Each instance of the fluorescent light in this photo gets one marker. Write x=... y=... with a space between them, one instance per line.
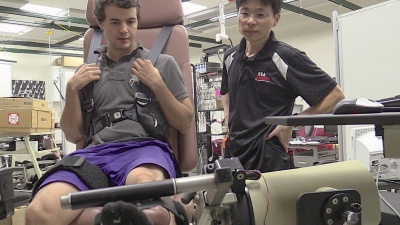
x=12 y=28
x=189 y=8
x=42 y=9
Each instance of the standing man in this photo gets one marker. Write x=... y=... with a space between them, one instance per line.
x=262 y=77
x=119 y=145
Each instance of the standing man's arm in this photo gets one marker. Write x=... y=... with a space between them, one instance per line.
x=72 y=119
x=325 y=105
x=225 y=104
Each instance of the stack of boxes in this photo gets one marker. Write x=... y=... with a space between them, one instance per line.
x=25 y=116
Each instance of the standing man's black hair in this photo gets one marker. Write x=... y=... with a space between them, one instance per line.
x=275 y=4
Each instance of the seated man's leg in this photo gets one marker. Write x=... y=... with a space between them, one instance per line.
x=147 y=173
x=46 y=208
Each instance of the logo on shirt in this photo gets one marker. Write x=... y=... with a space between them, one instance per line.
x=261 y=76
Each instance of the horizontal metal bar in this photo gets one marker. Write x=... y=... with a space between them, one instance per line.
x=346 y=4
x=41 y=45
x=40 y=52
x=195 y=45
x=41 y=25
x=306 y=12
x=69 y=40
x=204 y=39
x=15 y=11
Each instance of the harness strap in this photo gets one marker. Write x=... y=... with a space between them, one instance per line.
x=88 y=91
x=144 y=95
x=148 y=119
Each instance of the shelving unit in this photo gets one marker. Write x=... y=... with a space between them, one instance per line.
x=33 y=153
x=208 y=98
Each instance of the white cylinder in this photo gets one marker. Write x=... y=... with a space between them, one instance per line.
x=279 y=191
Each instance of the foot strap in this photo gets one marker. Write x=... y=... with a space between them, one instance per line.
x=177 y=209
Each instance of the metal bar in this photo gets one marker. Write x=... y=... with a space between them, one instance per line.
x=41 y=45
x=41 y=25
x=306 y=12
x=69 y=40
x=15 y=11
x=204 y=39
x=346 y=4
x=195 y=45
x=40 y=52
x=200 y=23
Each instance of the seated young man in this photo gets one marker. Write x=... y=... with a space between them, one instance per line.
x=123 y=150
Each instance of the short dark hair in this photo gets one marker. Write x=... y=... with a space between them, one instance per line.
x=275 y=4
x=126 y=4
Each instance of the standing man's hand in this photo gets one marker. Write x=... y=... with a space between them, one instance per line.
x=86 y=74
x=283 y=133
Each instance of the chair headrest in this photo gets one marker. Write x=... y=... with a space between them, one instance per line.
x=153 y=13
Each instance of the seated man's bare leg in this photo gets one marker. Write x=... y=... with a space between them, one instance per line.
x=45 y=209
x=147 y=173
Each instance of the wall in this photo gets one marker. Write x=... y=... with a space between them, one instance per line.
x=5 y=73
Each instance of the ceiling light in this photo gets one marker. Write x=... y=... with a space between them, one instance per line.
x=189 y=8
x=12 y=28
x=42 y=9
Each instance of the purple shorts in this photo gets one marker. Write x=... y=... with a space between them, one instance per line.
x=117 y=159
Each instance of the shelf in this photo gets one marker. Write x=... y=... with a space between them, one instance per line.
x=23 y=151
x=14 y=135
x=29 y=150
x=210 y=110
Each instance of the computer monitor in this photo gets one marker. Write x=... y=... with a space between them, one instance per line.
x=331 y=129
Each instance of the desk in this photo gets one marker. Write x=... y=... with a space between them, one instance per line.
x=310 y=153
x=386 y=125
x=32 y=153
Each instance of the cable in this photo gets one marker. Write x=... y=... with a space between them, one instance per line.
x=383 y=199
x=230 y=40
x=62 y=97
x=266 y=211
x=389 y=205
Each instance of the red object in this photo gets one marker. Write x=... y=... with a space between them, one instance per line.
x=216 y=146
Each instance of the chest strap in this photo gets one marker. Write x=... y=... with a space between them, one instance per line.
x=141 y=114
x=109 y=118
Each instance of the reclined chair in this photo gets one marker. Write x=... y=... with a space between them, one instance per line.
x=184 y=145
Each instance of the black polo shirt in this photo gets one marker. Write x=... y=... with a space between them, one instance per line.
x=266 y=84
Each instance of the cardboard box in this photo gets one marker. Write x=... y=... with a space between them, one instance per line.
x=44 y=121
x=24 y=103
x=68 y=61
x=25 y=121
x=17 y=219
x=18 y=121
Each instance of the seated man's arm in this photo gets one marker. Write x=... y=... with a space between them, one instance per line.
x=72 y=119
x=178 y=113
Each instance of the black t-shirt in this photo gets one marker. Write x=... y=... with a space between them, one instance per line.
x=266 y=84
